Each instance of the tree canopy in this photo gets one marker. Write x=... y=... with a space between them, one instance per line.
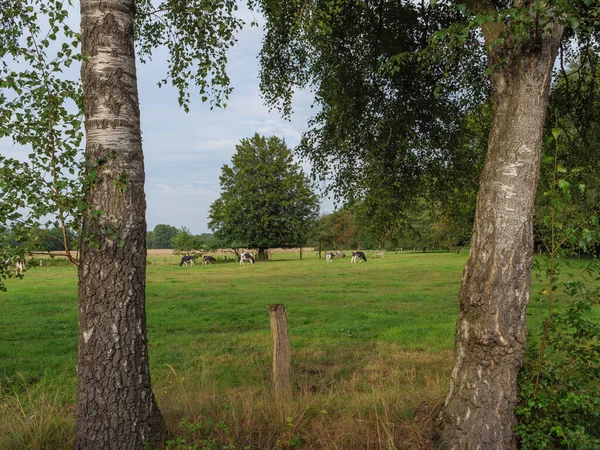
x=266 y=199
x=384 y=122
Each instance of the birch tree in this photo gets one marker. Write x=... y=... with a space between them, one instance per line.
x=115 y=404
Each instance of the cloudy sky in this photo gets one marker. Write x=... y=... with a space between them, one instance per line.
x=184 y=153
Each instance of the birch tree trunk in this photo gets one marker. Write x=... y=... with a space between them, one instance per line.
x=491 y=328
x=116 y=408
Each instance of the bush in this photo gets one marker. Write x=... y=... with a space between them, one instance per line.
x=559 y=392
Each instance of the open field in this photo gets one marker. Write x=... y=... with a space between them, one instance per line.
x=371 y=351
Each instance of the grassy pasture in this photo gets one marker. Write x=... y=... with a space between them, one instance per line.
x=371 y=351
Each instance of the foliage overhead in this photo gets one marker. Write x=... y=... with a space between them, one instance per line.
x=389 y=113
x=401 y=89
x=197 y=35
x=41 y=101
x=266 y=199
x=40 y=108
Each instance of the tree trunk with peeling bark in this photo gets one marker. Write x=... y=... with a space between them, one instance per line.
x=116 y=408
x=491 y=328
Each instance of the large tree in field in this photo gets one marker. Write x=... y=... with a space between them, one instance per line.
x=520 y=41
x=115 y=404
x=266 y=199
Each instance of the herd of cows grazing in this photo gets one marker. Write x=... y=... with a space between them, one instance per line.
x=357 y=256
x=189 y=260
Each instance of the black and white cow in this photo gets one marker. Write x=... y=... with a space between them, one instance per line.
x=329 y=256
x=187 y=260
x=358 y=255
x=246 y=257
x=208 y=260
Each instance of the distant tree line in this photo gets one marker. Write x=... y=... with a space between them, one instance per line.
x=423 y=227
x=180 y=239
x=41 y=240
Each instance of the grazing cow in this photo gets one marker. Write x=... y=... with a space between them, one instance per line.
x=358 y=255
x=187 y=260
x=329 y=256
x=20 y=266
x=208 y=260
x=246 y=257
x=340 y=254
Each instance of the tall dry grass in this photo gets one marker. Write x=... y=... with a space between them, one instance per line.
x=35 y=418
x=390 y=404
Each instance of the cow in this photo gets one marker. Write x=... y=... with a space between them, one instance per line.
x=187 y=260
x=358 y=255
x=20 y=266
x=329 y=256
x=340 y=254
x=246 y=257
x=208 y=260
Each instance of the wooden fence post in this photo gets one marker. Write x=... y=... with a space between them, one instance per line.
x=281 y=350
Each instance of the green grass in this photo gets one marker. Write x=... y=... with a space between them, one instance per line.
x=368 y=340
x=198 y=316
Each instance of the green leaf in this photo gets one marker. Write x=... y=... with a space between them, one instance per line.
x=564 y=185
x=556 y=132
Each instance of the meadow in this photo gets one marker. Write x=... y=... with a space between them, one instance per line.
x=371 y=351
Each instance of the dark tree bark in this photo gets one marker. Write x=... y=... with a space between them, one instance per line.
x=116 y=408
x=262 y=254
x=491 y=329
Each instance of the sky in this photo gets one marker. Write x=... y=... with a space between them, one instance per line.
x=184 y=152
